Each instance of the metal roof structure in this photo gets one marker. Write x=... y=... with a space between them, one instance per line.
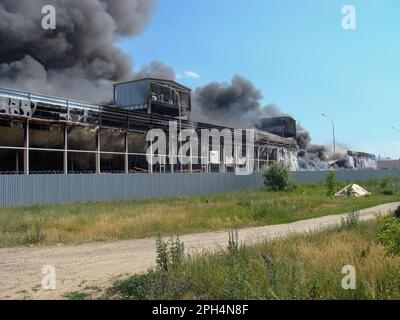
x=155 y=79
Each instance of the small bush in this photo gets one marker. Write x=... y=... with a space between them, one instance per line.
x=330 y=183
x=387 y=185
x=396 y=213
x=389 y=236
x=351 y=220
x=278 y=177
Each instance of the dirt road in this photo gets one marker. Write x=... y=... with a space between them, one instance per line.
x=94 y=266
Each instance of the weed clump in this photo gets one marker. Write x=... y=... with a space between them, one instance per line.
x=36 y=236
x=351 y=220
x=161 y=282
x=330 y=183
x=233 y=243
x=169 y=255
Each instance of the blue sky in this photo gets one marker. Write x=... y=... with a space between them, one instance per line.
x=297 y=54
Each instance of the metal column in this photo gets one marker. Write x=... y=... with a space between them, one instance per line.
x=126 y=153
x=98 y=160
x=65 y=149
x=26 y=148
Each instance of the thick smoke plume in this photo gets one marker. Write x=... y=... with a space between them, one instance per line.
x=238 y=104
x=79 y=59
x=156 y=69
x=233 y=103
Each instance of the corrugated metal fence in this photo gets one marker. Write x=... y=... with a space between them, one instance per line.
x=308 y=177
x=60 y=189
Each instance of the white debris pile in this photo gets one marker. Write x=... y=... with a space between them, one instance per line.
x=352 y=190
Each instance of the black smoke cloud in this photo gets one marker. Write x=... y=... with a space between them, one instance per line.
x=80 y=58
x=238 y=104
x=157 y=69
x=235 y=103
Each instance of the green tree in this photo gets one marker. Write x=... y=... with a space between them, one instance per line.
x=278 y=177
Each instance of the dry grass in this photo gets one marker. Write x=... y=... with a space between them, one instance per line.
x=78 y=223
x=303 y=267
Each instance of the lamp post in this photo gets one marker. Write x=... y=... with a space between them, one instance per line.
x=396 y=129
x=333 y=131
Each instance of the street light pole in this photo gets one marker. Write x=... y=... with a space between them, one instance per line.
x=333 y=131
x=396 y=129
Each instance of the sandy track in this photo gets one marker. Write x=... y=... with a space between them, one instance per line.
x=94 y=266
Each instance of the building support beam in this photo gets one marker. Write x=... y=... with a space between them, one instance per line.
x=98 y=154
x=65 y=149
x=26 y=146
x=150 y=164
x=126 y=153
x=17 y=162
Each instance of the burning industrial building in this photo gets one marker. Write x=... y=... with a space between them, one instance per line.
x=43 y=134
x=80 y=60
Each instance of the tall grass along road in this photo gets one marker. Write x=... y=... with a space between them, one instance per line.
x=93 y=266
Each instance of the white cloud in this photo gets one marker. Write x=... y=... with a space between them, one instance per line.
x=192 y=74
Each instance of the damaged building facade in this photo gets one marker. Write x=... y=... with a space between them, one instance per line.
x=354 y=160
x=41 y=134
